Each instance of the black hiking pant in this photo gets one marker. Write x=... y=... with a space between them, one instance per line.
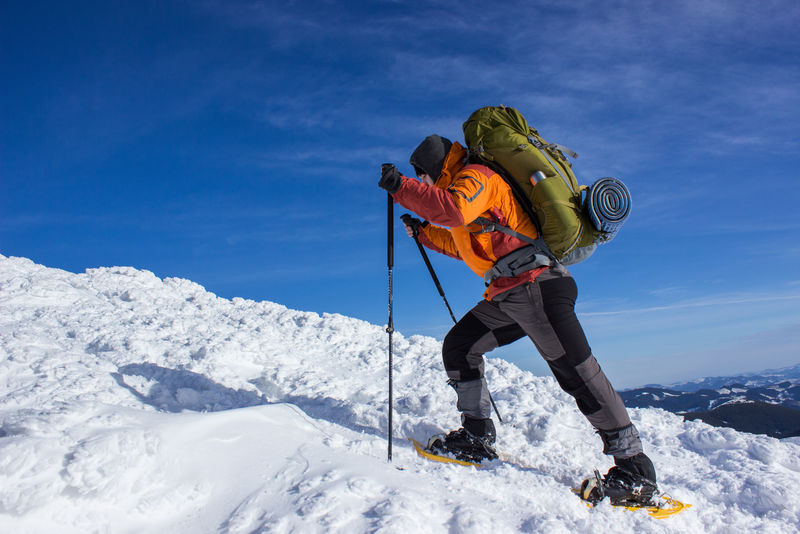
x=544 y=311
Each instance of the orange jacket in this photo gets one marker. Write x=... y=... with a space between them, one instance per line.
x=462 y=194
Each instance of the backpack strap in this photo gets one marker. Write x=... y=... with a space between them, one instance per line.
x=488 y=225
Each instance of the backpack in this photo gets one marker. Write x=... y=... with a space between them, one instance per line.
x=572 y=219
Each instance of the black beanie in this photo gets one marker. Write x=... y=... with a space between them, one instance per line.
x=429 y=155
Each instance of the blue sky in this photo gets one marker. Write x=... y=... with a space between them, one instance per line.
x=238 y=144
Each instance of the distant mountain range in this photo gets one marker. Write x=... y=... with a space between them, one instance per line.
x=760 y=403
x=762 y=378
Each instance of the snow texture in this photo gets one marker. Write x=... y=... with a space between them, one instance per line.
x=131 y=404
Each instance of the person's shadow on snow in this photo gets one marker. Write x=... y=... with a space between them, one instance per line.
x=175 y=390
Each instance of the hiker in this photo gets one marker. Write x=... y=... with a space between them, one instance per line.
x=527 y=295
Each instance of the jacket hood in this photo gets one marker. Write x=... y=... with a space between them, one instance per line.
x=454 y=161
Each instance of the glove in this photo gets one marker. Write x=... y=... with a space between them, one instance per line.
x=411 y=222
x=391 y=179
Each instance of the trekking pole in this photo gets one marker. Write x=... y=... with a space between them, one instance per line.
x=390 y=324
x=406 y=218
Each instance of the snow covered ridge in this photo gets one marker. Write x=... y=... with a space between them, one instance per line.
x=765 y=378
x=784 y=393
x=131 y=404
x=768 y=403
x=772 y=410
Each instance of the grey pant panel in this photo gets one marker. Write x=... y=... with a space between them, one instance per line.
x=524 y=306
x=622 y=443
x=612 y=413
x=473 y=398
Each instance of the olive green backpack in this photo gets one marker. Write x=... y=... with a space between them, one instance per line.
x=542 y=180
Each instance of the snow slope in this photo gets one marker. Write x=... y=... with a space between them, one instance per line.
x=130 y=404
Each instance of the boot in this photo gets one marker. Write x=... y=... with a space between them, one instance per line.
x=471 y=443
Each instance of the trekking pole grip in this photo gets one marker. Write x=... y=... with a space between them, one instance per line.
x=408 y=220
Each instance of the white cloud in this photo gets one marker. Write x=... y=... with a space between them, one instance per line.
x=715 y=302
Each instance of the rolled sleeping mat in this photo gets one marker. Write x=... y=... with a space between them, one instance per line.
x=608 y=204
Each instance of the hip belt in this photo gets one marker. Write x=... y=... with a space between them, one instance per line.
x=517 y=262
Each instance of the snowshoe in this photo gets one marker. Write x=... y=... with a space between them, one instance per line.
x=622 y=488
x=463 y=445
x=629 y=491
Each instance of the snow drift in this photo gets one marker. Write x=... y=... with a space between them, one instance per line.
x=132 y=404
